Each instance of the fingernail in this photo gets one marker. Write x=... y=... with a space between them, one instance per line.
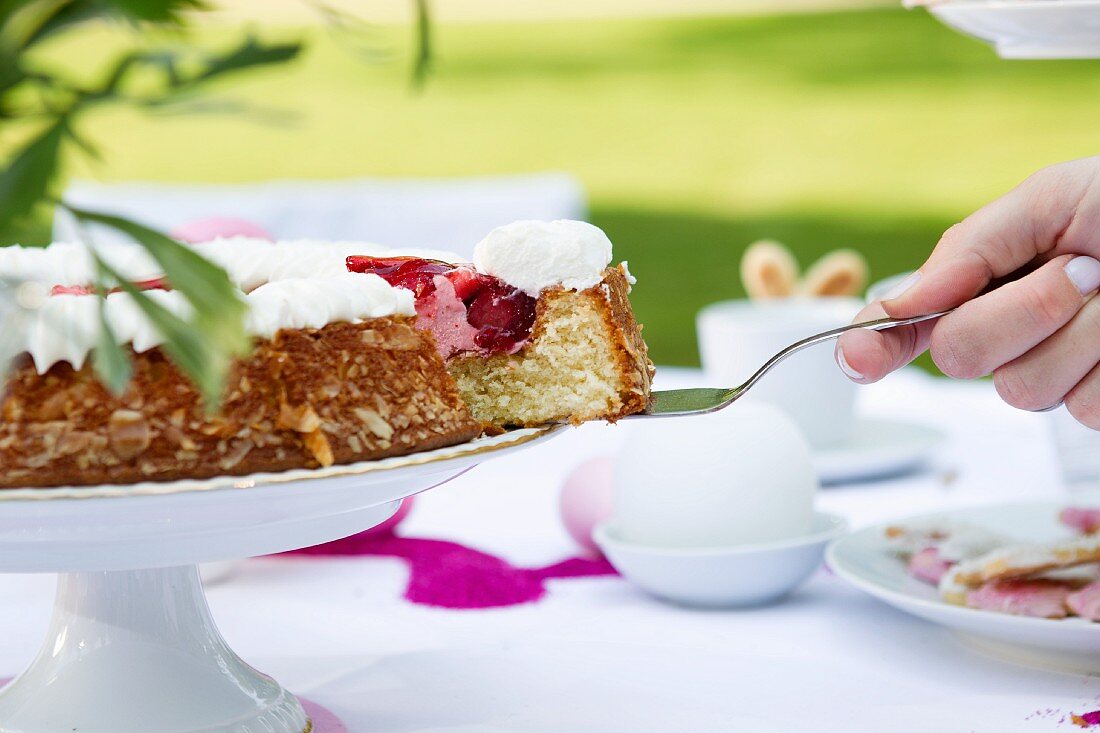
x=1084 y=273
x=845 y=366
x=900 y=288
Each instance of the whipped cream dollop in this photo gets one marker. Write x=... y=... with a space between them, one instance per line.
x=535 y=255
x=317 y=302
x=66 y=327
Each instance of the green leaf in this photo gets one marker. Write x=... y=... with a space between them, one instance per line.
x=28 y=22
x=204 y=347
x=110 y=360
x=248 y=55
x=423 y=58
x=154 y=11
x=203 y=283
x=11 y=327
x=28 y=178
x=184 y=342
x=186 y=72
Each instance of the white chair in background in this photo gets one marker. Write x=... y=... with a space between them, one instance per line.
x=448 y=214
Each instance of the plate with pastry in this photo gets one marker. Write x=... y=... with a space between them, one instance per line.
x=1020 y=581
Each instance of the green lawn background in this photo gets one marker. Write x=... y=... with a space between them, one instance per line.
x=873 y=129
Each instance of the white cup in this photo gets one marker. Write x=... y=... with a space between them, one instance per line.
x=736 y=337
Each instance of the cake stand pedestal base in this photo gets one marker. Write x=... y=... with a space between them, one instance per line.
x=137 y=650
x=132 y=647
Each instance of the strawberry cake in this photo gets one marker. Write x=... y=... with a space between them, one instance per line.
x=360 y=352
x=980 y=569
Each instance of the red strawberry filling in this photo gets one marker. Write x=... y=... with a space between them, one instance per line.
x=156 y=283
x=410 y=273
x=494 y=316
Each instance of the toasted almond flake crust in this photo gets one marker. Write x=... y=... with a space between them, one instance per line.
x=307 y=398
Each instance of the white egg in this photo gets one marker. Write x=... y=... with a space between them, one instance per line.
x=739 y=476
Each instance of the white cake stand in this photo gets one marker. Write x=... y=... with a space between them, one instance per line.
x=1028 y=29
x=132 y=647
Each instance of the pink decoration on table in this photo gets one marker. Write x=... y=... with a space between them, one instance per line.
x=205 y=230
x=450 y=575
x=1087 y=720
x=585 y=500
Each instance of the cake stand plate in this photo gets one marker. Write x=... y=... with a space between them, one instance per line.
x=1028 y=29
x=132 y=645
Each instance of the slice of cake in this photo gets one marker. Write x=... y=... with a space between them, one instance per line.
x=537 y=329
x=338 y=374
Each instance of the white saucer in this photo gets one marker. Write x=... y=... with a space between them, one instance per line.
x=864 y=559
x=877 y=448
x=721 y=577
x=1028 y=29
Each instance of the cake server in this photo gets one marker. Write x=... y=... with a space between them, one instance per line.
x=701 y=400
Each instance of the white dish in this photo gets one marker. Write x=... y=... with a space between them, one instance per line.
x=744 y=575
x=132 y=645
x=864 y=559
x=876 y=449
x=1028 y=29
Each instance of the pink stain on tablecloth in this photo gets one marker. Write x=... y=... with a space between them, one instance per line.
x=450 y=575
x=1086 y=720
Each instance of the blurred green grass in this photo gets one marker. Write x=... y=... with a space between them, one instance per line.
x=873 y=129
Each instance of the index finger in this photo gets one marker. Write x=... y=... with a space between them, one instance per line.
x=998 y=239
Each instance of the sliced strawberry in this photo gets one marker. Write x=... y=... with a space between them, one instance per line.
x=467 y=282
x=411 y=273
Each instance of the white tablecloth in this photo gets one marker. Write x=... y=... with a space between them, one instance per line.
x=597 y=655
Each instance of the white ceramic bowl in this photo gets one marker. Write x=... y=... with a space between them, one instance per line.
x=742 y=575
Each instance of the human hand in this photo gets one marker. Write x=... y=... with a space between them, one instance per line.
x=1038 y=333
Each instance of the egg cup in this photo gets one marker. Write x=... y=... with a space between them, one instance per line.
x=721 y=577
